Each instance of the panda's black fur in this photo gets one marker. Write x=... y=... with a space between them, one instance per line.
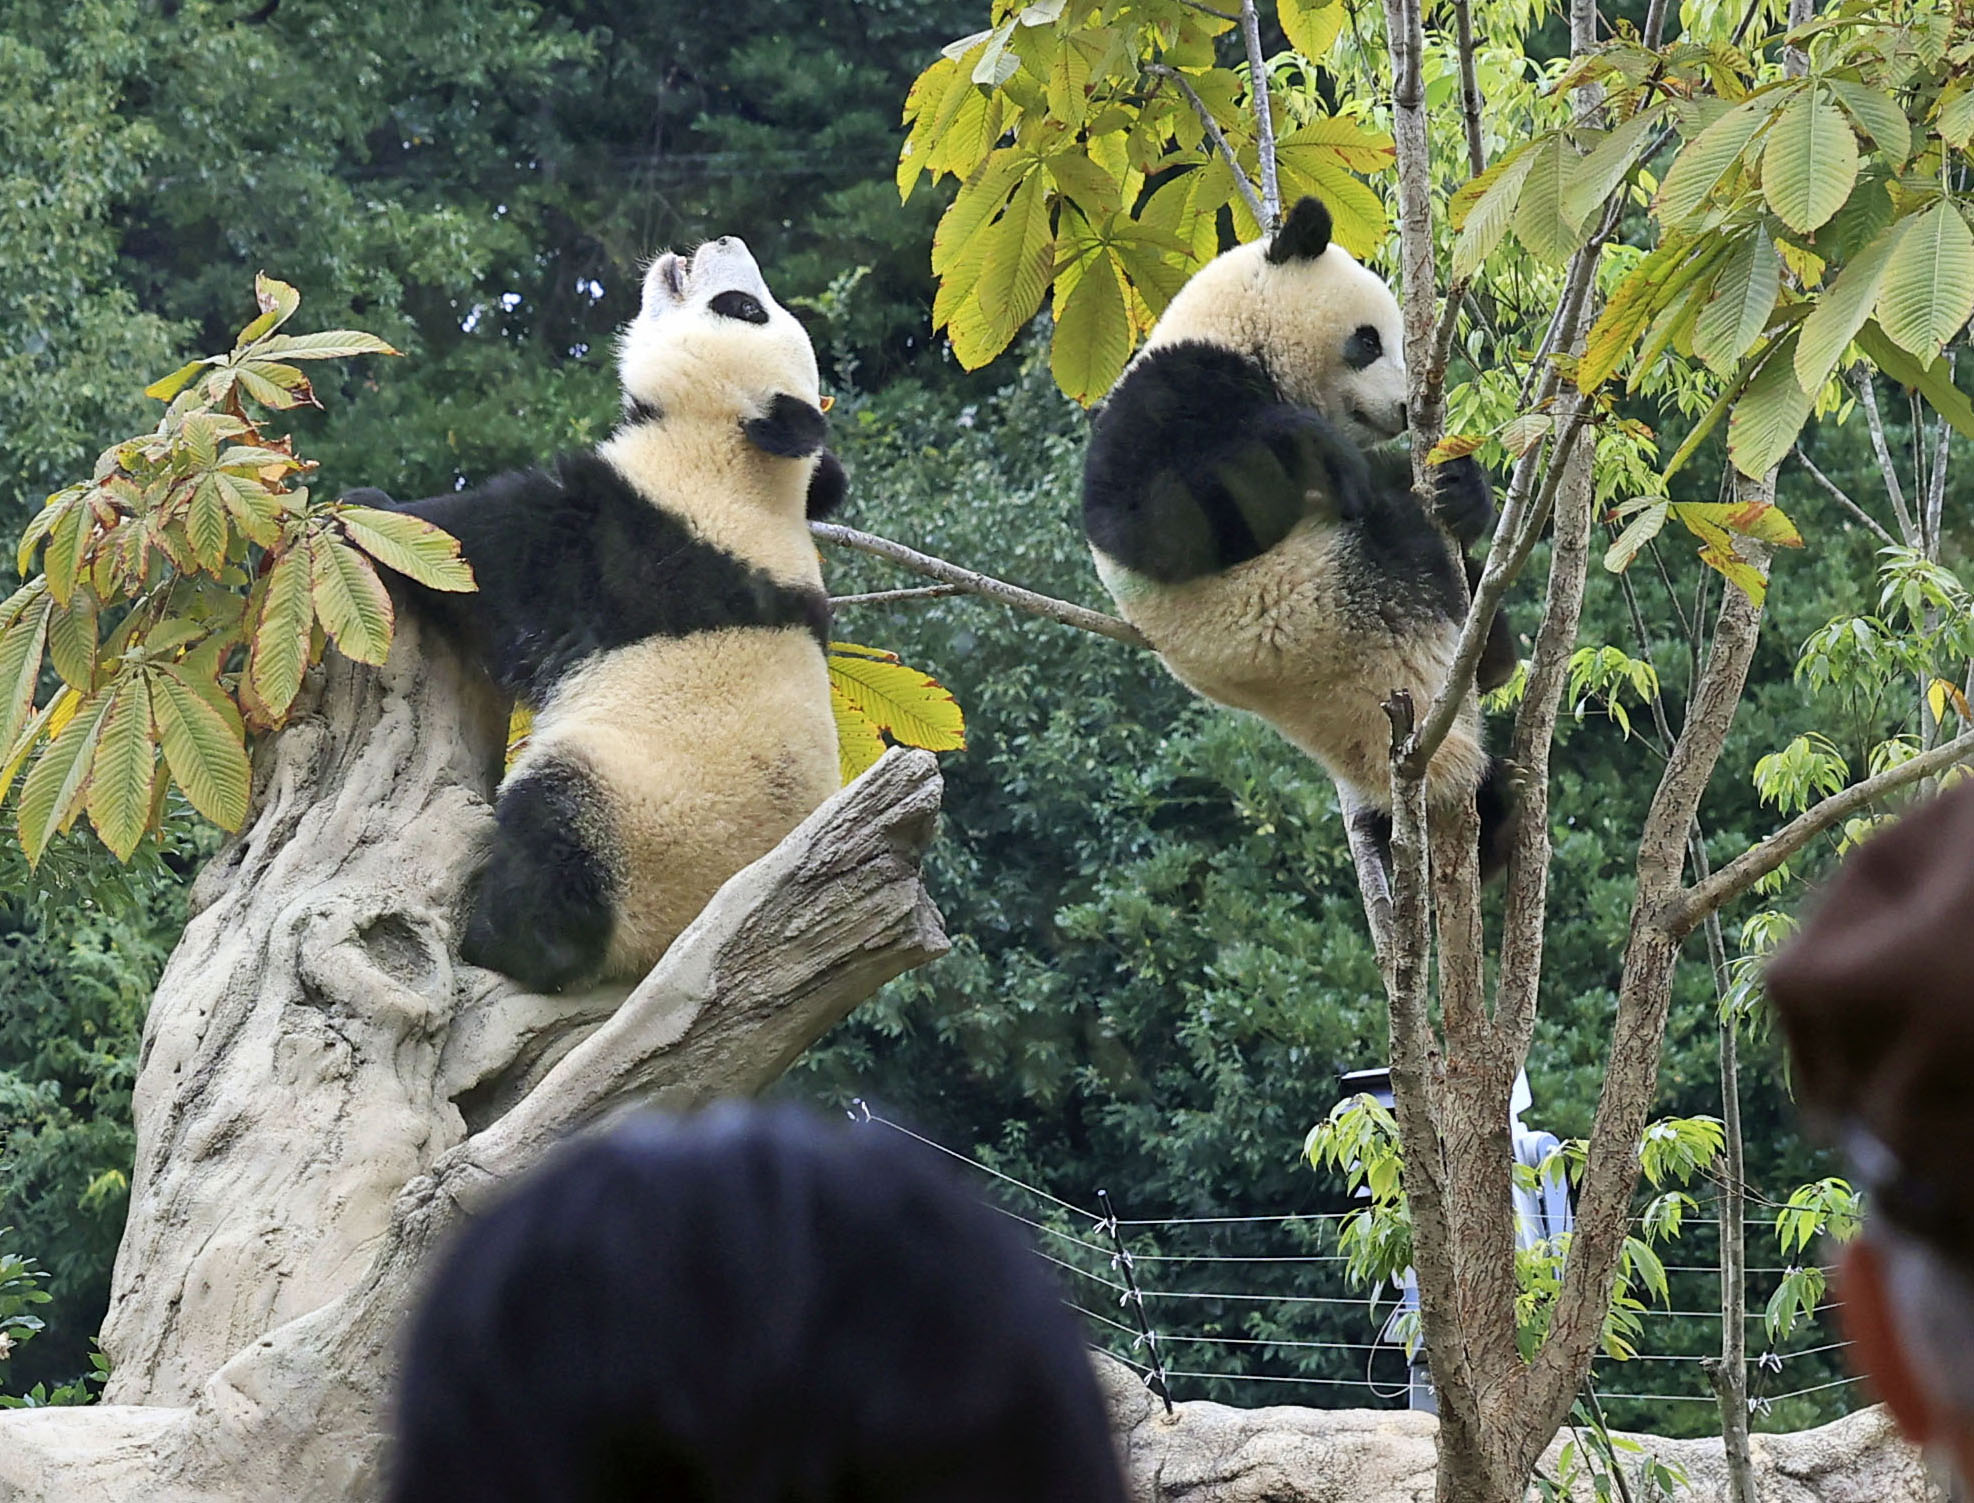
x=1212 y=496
x=579 y=567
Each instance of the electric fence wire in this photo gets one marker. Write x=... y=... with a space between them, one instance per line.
x=1128 y=1294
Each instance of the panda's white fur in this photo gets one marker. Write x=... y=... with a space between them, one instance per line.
x=659 y=603
x=1238 y=522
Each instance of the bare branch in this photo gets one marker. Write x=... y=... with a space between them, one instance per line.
x=1868 y=394
x=1264 y=118
x=1372 y=882
x=1837 y=495
x=1470 y=100
x=1222 y=15
x=890 y=597
x=1255 y=206
x=966 y=580
x=1746 y=870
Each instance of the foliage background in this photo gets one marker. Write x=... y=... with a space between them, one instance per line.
x=1161 y=965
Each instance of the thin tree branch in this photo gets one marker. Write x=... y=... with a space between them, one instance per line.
x=1219 y=138
x=971 y=583
x=1264 y=117
x=889 y=597
x=1221 y=15
x=1470 y=100
x=1745 y=870
x=1837 y=495
x=1868 y=395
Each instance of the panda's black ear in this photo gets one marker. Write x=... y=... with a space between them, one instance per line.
x=1304 y=235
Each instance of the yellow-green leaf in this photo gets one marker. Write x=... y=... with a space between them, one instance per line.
x=275 y=298
x=1744 y=295
x=1841 y=311
x=1595 y=177
x=912 y=708
x=203 y=750
x=1639 y=531
x=326 y=344
x=1929 y=282
x=167 y=387
x=1490 y=217
x=1810 y=162
x=119 y=799
x=858 y=741
x=1877 y=114
x=351 y=601
x=1312 y=29
x=54 y=787
x=21 y=646
x=205 y=524
x=72 y=632
x=1934 y=381
x=410 y=545
x=1708 y=161
x=1770 y=413
x=1762 y=520
x=1455 y=446
x=279 y=640
x=1956 y=117
x=1093 y=333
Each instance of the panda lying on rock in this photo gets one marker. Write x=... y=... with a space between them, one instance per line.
x=1274 y=564
x=657 y=601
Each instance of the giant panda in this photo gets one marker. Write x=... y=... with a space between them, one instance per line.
x=658 y=603
x=1243 y=521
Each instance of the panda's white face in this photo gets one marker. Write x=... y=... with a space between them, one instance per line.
x=1327 y=328
x=711 y=341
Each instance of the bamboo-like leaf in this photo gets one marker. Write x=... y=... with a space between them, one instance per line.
x=120 y=775
x=1744 y=296
x=1841 y=311
x=1093 y=333
x=1490 y=217
x=1877 y=114
x=21 y=646
x=858 y=741
x=278 y=643
x=410 y=545
x=204 y=752
x=325 y=344
x=1929 y=282
x=1810 y=162
x=1934 y=382
x=912 y=708
x=1708 y=161
x=350 y=600
x=55 y=784
x=1770 y=413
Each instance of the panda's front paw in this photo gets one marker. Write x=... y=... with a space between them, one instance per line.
x=791 y=428
x=1464 y=499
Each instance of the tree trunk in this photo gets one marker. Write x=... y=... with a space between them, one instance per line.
x=323 y=1089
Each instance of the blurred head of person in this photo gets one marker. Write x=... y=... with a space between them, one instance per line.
x=1876 y=998
x=747 y=1306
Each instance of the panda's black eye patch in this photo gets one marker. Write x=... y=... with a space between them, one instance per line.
x=741 y=305
x=1363 y=348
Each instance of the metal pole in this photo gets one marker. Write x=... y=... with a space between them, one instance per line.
x=1134 y=1297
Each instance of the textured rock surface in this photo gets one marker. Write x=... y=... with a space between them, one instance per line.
x=322 y=1092
x=1212 y=1453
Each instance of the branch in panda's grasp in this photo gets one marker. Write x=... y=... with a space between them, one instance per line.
x=967 y=581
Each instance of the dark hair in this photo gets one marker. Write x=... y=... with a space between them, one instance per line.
x=748 y=1306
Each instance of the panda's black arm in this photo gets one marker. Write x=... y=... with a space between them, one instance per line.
x=1463 y=498
x=790 y=429
x=828 y=485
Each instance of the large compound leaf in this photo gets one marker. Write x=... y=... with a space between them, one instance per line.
x=1770 y=413
x=1488 y=220
x=1596 y=176
x=1934 y=382
x=351 y=601
x=1841 y=311
x=1877 y=114
x=120 y=775
x=1708 y=161
x=1744 y=296
x=1093 y=333
x=20 y=659
x=1929 y=282
x=912 y=708
x=1810 y=162
x=859 y=743
x=411 y=545
x=54 y=787
x=1312 y=29
x=202 y=749
x=279 y=643
x=1540 y=221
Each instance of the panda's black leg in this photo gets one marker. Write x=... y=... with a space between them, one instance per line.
x=1498 y=657
x=828 y=485
x=1498 y=809
x=791 y=428
x=1375 y=824
x=545 y=906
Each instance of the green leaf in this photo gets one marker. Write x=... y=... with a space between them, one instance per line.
x=1490 y=217
x=276 y=299
x=354 y=606
x=1956 y=117
x=1934 y=382
x=1877 y=114
x=411 y=545
x=1705 y=163
x=72 y=639
x=1595 y=177
x=1311 y=29
x=1841 y=311
x=328 y=344
x=1929 y=282
x=1639 y=531
x=279 y=639
x=120 y=774
x=1093 y=333
x=1744 y=295
x=205 y=524
x=167 y=387
x=54 y=786
x=1810 y=162
x=1771 y=412
x=1763 y=520
x=204 y=753
x=1540 y=223
x=21 y=646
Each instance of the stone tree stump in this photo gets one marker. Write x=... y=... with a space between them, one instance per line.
x=324 y=1089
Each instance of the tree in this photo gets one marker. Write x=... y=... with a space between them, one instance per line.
x=1804 y=160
